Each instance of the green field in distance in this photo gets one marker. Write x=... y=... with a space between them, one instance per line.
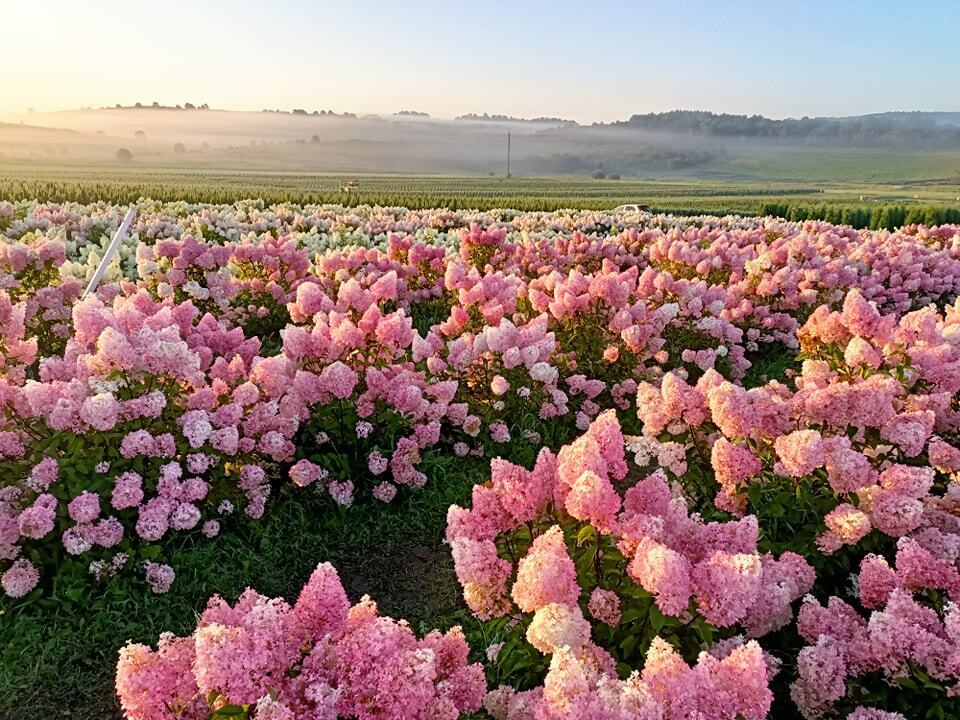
x=112 y=183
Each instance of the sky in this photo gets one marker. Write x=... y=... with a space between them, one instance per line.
x=587 y=61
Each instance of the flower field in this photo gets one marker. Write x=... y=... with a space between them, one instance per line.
x=696 y=467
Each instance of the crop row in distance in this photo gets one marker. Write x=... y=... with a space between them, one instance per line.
x=839 y=206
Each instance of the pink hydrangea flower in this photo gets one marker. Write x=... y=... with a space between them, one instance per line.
x=546 y=575
x=604 y=605
x=801 y=452
x=85 y=507
x=20 y=578
x=385 y=492
x=159 y=577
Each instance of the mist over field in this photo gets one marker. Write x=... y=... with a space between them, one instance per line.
x=887 y=147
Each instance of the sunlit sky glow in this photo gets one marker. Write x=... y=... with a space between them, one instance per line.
x=600 y=60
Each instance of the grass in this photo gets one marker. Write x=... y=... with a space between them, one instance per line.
x=848 y=166
x=58 y=661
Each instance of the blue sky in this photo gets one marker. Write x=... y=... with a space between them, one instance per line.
x=588 y=61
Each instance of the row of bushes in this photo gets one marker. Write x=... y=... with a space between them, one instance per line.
x=874 y=217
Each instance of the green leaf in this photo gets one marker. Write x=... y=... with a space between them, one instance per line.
x=150 y=552
x=230 y=711
x=907 y=682
x=586 y=533
x=705 y=631
x=657 y=619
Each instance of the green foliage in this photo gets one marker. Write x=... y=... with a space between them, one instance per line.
x=771 y=362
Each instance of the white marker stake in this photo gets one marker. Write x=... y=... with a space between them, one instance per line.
x=111 y=251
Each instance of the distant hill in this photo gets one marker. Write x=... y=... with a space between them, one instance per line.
x=940 y=118
x=25 y=128
x=890 y=129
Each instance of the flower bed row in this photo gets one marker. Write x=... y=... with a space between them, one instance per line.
x=178 y=398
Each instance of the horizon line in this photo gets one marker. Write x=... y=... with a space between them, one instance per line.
x=412 y=114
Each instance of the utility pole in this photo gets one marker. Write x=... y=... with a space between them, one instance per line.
x=508 y=154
